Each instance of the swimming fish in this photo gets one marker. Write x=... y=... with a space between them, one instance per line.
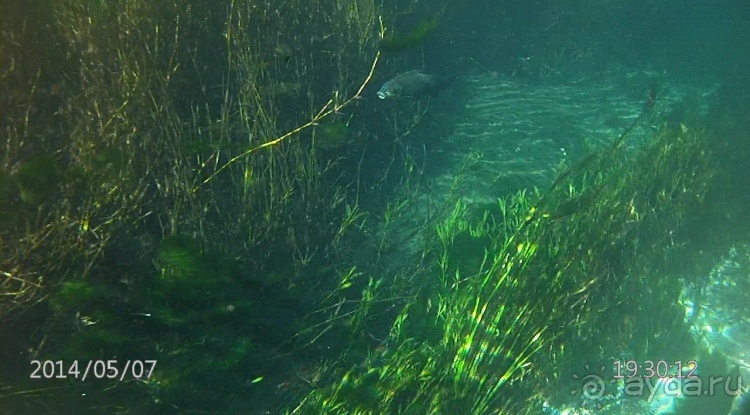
x=413 y=84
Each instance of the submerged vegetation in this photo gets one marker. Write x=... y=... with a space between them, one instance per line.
x=178 y=185
x=414 y=37
x=158 y=190
x=537 y=284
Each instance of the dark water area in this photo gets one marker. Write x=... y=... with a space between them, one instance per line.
x=254 y=207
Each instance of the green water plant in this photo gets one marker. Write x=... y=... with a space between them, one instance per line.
x=547 y=275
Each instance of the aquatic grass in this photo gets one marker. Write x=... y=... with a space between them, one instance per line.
x=557 y=267
x=136 y=146
x=180 y=188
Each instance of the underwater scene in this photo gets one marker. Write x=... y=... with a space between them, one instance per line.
x=386 y=207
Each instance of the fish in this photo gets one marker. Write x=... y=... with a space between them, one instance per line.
x=413 y=84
